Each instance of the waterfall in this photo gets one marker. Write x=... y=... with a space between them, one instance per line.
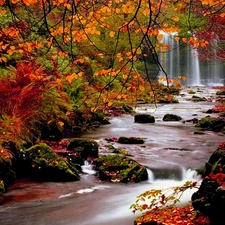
x=88 y=168
x=183 y=60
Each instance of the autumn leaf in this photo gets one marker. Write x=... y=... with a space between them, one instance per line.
x=111 y=33
x=175 y=18
x=160 y=37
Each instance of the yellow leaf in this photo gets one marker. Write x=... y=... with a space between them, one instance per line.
x=110 y=103
x=139 y=51
x=141 y=88
x=184 y=40
x=176 y=38
x=160 y=37
x=112 y=33
x=125 y=77
x=10 y=52
x=3 y=59
x=175 y=18
x=70 y=78
x=151 y=93
x=60 y=123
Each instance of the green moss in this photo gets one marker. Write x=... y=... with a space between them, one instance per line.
x=171 y=117
x=85 y=147
x=211 y=123
x=191 y=92
x=220 y=92
x=198 y=99
x=120 y=169
x=45 y=165
x=130 y=140
x=144 y=118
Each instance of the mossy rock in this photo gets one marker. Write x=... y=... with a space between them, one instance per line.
x=220 y=92
x=210 y=197
x=211 y=123
x=7 y=173
x=191 y=92
x=44 y=164
x=144 y=118
x=127 y=109
x=84 y=147
x=2 y=187
x=198 y=99
x=117 y=168
x=130 y=140
x=171 y=117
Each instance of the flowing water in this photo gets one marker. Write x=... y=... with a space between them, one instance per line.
x=171 y=153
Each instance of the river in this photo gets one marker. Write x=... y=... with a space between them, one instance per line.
x=171 y=153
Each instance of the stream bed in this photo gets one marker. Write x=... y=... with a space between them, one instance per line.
x=171 y=153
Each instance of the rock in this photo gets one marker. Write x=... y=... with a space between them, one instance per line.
x=130 y=140
x=2 y=187
x=84 y=147
x=171 y=117
x=6 y=171
x=210 y=198
x=211 y=123
x=144 y=118
x=117 y=168
x=220 y=92
x=44 y=164
x=198 y=99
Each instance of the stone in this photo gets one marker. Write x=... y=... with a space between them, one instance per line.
x=130 y=140
x=210 y=197
x=84 y=147
x=171 y=117
x=116 y=168
x=2 y=187
x=144 y=118
x=44 y=164
x=211 y=123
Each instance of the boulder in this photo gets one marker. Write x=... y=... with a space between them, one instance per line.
x=211 y=123
x=117 y=168
x=144 y=118
x=198 y=99
x=210 y=198
x=84 y=147
x=2 y=187
x=7 y=173
x=130 y=140
x=44 y=164
x=171 y=117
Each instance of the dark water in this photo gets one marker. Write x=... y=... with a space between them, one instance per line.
x=170 y=149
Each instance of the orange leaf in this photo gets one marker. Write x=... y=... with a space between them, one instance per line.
x=3 y=12
x=112 y=33
x=160 y=37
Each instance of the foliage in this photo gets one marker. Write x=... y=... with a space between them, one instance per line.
x=160 y=206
